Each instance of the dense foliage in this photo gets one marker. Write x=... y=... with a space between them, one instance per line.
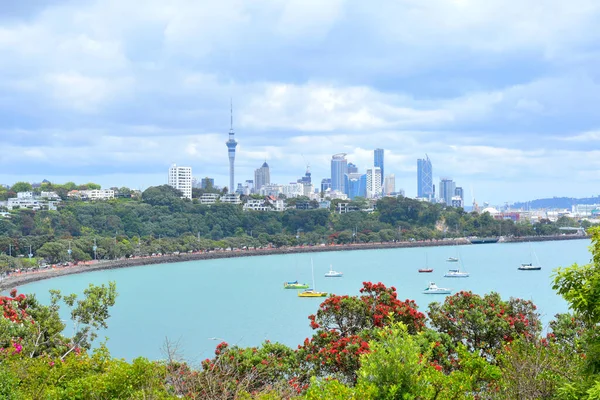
x=160 y=222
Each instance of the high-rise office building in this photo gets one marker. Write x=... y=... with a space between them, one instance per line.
x=425 y=178
x=262 y=177
x=447 y=189
x=231 y=145
x=325 y=184
x=180 y=178
x=378 y=162
x=373 y=182
x=339 y=168
x=352 y=169
x=459 y=192
x=356 y=185
x=389 y=186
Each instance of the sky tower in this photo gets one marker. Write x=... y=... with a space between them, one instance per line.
x=231 y=145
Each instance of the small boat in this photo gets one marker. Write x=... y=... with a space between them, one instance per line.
x=529 y=267
x=434 y=289
x=476 y=240
x=312 y=292
x=332 y=273
x=452 y=259
x=426 y=269
x=295 y=285
x=456 y=273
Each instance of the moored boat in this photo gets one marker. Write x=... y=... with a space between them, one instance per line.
x=295 y=285
x=529 y=267
x=332 y=273
x=426 y=270
x=312 y=292
x=432 y=288
x=456 y=273
x=452 y=259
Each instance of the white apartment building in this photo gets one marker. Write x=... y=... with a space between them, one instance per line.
x=256 y=205
x=231 y=198
x=373 y=182
x=209 y=198
x=180 y=178
x=294 y=189
x=100 y=194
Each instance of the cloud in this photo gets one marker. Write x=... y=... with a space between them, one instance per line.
x=494 y=92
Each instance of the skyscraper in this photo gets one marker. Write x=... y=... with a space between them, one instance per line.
x=373 y=182
x=378 y=161
x=231 y=145
x=352 y=169
x=180 y=178
x=325 y=184
x=262 y=177
x=389 y=186
x=424 y=178
x=447 y=189
x=339 y=168
x=356 y=185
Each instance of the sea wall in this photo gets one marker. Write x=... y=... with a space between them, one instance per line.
x=28 y=277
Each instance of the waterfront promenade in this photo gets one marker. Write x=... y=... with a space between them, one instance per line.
x=22 y=278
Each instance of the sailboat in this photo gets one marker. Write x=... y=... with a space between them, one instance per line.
x=530 y=266
x=312 y=292
x=456 y=273
x=426 y=269
x=332 y=273
x=453 y=259
x=295 y=284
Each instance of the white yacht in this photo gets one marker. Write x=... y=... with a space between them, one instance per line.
x=332 y=273
x=529 y=267
x=456 y=273
x=434 y=289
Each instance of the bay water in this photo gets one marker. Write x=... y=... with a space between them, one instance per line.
x=242 y=300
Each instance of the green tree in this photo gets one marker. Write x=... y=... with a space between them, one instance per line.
x=21 y=187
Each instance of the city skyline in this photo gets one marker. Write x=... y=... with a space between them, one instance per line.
x=498 y=95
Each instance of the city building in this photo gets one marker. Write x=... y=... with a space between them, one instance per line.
x=207 y=183
x=294 y=189
x=339 y=168
x=356 y=185
x=325 y=184
x=352 y=169
x=425 y=188
x=389 y=185
x=256 y=205
x=271 y=190
x=373 y=182
x=31 y=201
x=180 y=178
x=447 y=189
x=378 y=162
x=231 y=145
x=100 y=194
x=209 y=198
x=262 y=176
x=460 y=193
x=457 y=201
x=231 y=198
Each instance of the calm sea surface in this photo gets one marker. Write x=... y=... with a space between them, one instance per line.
x=242 y=300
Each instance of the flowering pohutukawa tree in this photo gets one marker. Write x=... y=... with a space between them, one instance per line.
x=345 y=324
x=485 y=323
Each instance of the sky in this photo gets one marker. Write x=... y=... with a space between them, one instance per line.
x=503 y=96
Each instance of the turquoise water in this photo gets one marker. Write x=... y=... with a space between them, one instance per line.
x=242 y=300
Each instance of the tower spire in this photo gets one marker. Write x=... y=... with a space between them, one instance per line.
x=231 y=109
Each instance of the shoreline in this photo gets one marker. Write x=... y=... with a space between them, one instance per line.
x=29 y=277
